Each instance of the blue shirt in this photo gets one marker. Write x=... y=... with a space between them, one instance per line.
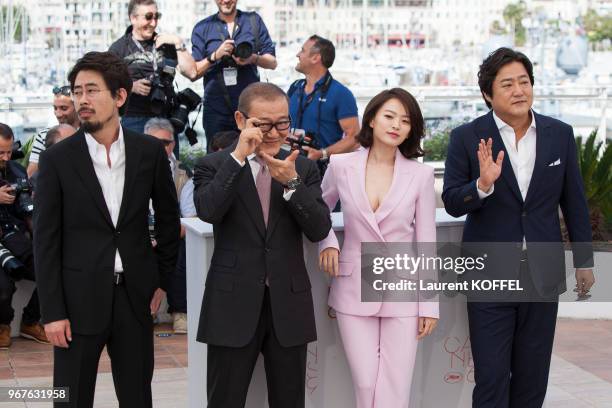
x=334 y=105
x=207 y=36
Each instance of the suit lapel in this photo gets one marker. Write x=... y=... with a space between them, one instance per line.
x=490 y=130
x=402 y=178
x=250 y=198
x=132 y=162
x=358 y=191
x=543 y=142
x=85 y=170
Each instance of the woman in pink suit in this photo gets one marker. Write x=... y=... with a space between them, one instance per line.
x=386 y=196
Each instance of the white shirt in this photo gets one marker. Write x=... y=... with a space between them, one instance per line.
x=522 y=155
x=111 y=178
x=186 y=202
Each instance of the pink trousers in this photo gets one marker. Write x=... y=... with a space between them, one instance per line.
x=381 y=352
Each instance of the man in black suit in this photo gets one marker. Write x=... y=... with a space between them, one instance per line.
x=99 y=278
x=510 y=171
x=260 y=199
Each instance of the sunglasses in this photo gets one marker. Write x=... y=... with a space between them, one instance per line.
x=150 y=16
x=64 y=90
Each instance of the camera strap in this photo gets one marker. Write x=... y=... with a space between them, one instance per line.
x=152 y=53
x=321 y=90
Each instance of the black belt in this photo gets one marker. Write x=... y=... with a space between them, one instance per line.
x=118 y=278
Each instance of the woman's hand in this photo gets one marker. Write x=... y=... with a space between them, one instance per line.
x=426 y=326
x=328 y=261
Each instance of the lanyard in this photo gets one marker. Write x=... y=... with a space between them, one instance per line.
x=322 y=90
x=152 y=53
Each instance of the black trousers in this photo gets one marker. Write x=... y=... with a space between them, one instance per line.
x=230 y=369
x=130 y=347
x=177 y=286
x=512 y=345
x=21 y=248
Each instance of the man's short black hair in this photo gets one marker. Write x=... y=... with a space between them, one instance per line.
x=112 y=68
x=135 y=3
x=493 y=63
x=6 y=132
x=325 y=48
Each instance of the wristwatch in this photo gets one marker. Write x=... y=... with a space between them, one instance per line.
x=324 y=155
x=183 y=47
x=293 y=183
x=210 y=57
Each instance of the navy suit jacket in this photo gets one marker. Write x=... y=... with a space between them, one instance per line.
x=504 y=216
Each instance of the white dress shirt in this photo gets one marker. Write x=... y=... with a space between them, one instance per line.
x=522 y=155
x=111 y=178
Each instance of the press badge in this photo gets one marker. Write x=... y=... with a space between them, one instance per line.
x=230 y=76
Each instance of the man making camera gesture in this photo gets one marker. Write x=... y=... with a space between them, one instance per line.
x=260 y=200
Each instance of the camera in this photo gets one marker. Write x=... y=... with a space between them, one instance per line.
x=164 y=100
x=162 y=80
x=298 y=141
x=23 y=196
x=243 y=50
x=11 y=265
x=186 y=102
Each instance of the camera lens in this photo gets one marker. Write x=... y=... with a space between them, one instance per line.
x=243 y=50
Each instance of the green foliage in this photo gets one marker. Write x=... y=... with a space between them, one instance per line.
x=437 y=146
x=188 y=155
x=597 y=177
x=598 y=27
x=14 y=13
x=496 y=28
x=513 y=15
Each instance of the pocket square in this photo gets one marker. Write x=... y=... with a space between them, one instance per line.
x=555 y=163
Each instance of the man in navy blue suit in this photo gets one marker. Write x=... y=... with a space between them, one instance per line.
x=510 y=171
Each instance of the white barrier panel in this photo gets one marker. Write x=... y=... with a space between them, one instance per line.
x=443 y=375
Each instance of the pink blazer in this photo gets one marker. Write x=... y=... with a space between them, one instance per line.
x=406 y=214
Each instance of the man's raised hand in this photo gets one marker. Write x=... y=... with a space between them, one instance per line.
x=489 y=169
x=282 y=170
x=250 y=137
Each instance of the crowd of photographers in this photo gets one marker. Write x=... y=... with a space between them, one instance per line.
x=227 y=48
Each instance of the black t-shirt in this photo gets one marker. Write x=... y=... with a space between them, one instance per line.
x=140 y=65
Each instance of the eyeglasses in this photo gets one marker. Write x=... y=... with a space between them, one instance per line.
x=90 y=92
x=167 y=142
x=64 y=90
x=150 y=16
x=265 y=127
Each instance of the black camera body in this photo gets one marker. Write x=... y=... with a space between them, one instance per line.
x=242 y=50
x=307 y=139
x=23 y=196
x=162 y=80
x=164 y=100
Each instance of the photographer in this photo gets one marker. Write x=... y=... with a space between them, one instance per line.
x=228 y=47
x=143 y=50
x=15 y=246
x=322 y=108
